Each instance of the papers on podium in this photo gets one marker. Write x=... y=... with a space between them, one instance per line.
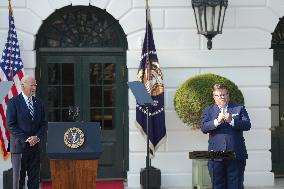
x=212 y=155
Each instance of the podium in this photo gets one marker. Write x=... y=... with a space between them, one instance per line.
x=74 y=149
x=200 y=175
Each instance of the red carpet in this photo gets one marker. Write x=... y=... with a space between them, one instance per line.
x=116 y=184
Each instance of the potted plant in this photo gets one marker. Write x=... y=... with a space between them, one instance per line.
x=189 y=101
x=196 y=93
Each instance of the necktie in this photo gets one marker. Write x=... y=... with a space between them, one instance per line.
x=30 y=106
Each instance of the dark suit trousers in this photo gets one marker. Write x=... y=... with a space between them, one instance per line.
x=228 y=174
x=26 y=163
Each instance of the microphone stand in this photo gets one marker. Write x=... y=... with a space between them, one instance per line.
x=144 y=99
x=76 y=113
x=73 y=113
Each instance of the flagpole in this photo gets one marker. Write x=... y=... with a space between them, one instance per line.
x=147 y=106
x=144 y=116
x=11 y=78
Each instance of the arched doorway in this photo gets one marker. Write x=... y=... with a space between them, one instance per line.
x=81 y=61
x=277 y=100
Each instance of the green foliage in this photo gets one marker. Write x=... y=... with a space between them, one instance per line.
x=196 y=93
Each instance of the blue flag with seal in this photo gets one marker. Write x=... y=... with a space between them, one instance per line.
x=150 y=74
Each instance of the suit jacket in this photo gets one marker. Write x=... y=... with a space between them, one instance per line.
x=226 y=137
x=21 y=125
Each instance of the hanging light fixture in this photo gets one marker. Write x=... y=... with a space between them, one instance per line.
x=209 y=17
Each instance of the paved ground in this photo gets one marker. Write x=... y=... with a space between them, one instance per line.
x=278 y=184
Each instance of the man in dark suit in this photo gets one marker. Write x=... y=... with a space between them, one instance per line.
x=225 y=122
x=27 y=125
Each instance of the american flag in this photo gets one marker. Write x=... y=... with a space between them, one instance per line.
x=150 y=74
x=11 y=69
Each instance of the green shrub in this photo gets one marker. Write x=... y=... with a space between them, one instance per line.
x=196 y=93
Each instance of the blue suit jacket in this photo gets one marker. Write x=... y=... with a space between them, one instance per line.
x=226 y=137
x=21 y=125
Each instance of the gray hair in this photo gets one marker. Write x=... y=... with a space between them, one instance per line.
x=26 y=78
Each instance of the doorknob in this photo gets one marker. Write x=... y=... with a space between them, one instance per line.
x=273 y=129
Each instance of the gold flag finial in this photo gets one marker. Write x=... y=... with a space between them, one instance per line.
x=10 y=8
x=147 y=10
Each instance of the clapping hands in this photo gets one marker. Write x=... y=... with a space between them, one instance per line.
x=224 y=117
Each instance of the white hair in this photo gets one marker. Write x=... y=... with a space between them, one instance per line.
x=26 y=78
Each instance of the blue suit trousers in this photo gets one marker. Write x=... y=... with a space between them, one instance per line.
x=228 y=174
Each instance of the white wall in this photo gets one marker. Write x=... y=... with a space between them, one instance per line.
x=241 y=54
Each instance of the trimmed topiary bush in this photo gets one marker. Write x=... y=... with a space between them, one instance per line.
x=196 y=93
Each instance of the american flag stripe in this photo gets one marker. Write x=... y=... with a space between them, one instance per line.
x=4 y=133
x=11 y=69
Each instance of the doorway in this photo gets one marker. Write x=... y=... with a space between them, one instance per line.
x=277 y=100
x=81 y=61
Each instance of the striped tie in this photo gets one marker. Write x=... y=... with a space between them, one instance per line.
x=30 y=106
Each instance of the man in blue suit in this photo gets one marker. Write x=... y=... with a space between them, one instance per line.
x=27 y=125
x=225 y=122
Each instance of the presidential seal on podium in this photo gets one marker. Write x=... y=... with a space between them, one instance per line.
x=74 y=137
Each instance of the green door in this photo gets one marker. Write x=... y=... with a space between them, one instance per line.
x=277 y=130
x=81 y=61
x=97 y=85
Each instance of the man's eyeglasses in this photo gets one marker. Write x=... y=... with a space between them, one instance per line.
x=221 y=95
